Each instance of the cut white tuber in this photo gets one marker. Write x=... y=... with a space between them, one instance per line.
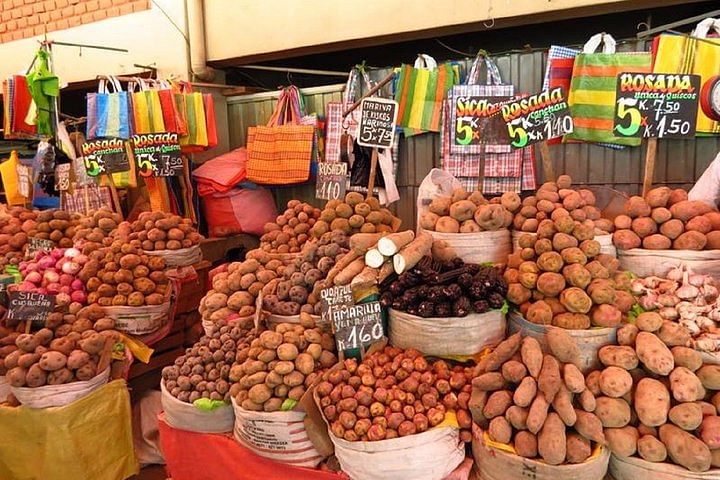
x=362 y=242
x=385 y=271
x=412 y=253
x=373 y=258
x=393 y=243
x=366 y=279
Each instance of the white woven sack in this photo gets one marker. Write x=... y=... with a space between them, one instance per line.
x=495 y=464
x=631 y=468
x=645 y=263
x=446 y=336
x=4 y=388
x=186 y=416
x=139 y=320
x=279 y=436
x=183 y=257
x=431 y=455
x=479 y=247
x=59 y=395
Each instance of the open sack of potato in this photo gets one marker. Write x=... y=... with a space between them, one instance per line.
x=555 y=199
x=196 y=390
x=477 y=229
x=664 y=230
x=272 y=376
x=536 y=405
x=62 y=362
x=396 y=415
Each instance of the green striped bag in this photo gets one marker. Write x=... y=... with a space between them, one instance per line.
x=592 y=90
x=420 y=91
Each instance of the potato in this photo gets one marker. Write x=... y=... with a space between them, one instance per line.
x=626 y=239
x=77 y=359
x=500 y=430
x=684 y=449
x=654 y=354
x=551 y=440
x=656 y=242
x=710 y=431
x=497 y=404
x=489 y=381
x=637 y=207
x=612 y=412
x=304 y=363
x=447 y=225
x=713 y=240
x=673 y=334
x=35 y=377
x=618 y=356
x=651 y=402
x=660 y=215
x=626 y=336
x=651 y=449
x=578 y=448
x=649 y=322
x=51 y=361
x=709 y=375
x=672 y=229
x=644 y=226
x=622 y=441
x=685 y=386
x=463 y=210
x=517 y=417
x=687 y=416
x=16 y=376
x=690 y=240
x=440 y=205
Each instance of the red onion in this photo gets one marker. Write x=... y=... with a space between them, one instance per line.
x=57 y=253
x=65 y=289
x=33 y=277
x=53 y=288
x=45 y=262
x=51 y=276
x=27 y=286
x=72 y=252
x=42 y=290
x=71 y=268
x=66 y=279
x=77 y=284
x=78 y=296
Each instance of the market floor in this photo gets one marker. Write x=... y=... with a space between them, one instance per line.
x=153 y=472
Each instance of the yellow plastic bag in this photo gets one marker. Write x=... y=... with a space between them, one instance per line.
x=90 y=439
x=8 y=172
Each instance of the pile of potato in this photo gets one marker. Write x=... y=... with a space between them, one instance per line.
x=356 y=214
x=555 y=199
x=666 y=219
x=559 y=277
x=94 y=231
x=463 y=212
x=538 y=402
x=655 y=397
x=291 y=229
x=68 y=349
x=15 y=226
x=281 y=365
x=299 y=288
x=56 y=225
x=121 y=275
x=158 y=231
x=204 y=370
x=394 y=393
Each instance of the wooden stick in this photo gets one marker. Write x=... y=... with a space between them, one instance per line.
x=650 y=155
x=547 y=166
x=373 y=169
x=370 y=93
x=115 y=196
x=87 y=199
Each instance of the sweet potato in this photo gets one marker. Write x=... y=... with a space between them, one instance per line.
x=500 y=430
x=562 y=346
x=563 y=405
x=589 y=426
x=513 y=371
x=713 y=240
x=654 y=354
x=586 y=400
x=684 y=449
x=549 y=380
x=503 y=352
x=651 y=402
x=622 y=441
x=626 y=239
x=687 y=416
x=517 y=417
x=551 y=440
x=489 y=382
x=612 y=412
x=690 y=240
x=532 y=357
x=685 y=385
x=526 y=444
x=525 y=392
x=497 y=404
x=573 y=378
x=538 y=413
x=578 y=448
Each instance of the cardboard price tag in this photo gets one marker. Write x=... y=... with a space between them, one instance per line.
x=62 y=177
x=105 y=156
x=476 y=120
x=23 y=174
x=357 y=326
x=331 y=181
x=658 y=105
x=537 y=118
x=378 y=117
x=158 y=154
x=37 y=244
x=32 y=307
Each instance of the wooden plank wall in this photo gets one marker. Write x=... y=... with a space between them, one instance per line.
x=679 y=162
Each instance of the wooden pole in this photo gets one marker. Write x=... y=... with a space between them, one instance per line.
x=547 y=166
x=481 y=172
x=373 y=169
x=650 y=155
x=115 y=197
x=370 y=93
x=86 y=198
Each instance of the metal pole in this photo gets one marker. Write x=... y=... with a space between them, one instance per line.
x=679 y=23
x=329 y=73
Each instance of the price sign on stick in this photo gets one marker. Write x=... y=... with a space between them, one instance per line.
x=537 y=118
x=105 y=156
x=355 y=326
x=331 y=181
x=158 y=154
x=62 y=177
x=476 y=120
x=656 y=105
x=32 y=307
x=377 y=122
x=37 y=244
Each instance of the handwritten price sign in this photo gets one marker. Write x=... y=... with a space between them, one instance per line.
x=106 y=155
x=377 y=122
x=476 y=120
x=158 y=154
x=537 y=118
x=656 y=105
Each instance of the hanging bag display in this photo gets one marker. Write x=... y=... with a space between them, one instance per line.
x=420 y=92
x=108 y=111
x=146 y=109
x=592 y=89
x=280 y=152
x=695 y=54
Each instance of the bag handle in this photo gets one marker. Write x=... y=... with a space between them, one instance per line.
x=607 y=41
x=493 y=72
x=703 y=28
x=275 y=118
x=425 y=62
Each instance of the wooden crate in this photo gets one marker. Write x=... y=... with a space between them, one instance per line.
x=218 y=250
x=188 y=300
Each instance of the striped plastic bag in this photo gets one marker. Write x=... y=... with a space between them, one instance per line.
x=420 y=92
x=108 y=111
x=592 y=90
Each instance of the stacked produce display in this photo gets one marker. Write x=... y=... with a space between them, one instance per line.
x=465 y=212
x=154 y=231
x=290 y=230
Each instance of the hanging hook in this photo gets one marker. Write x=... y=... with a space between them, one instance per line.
x=642 y=26
x=288 y=75
x=490 y=14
